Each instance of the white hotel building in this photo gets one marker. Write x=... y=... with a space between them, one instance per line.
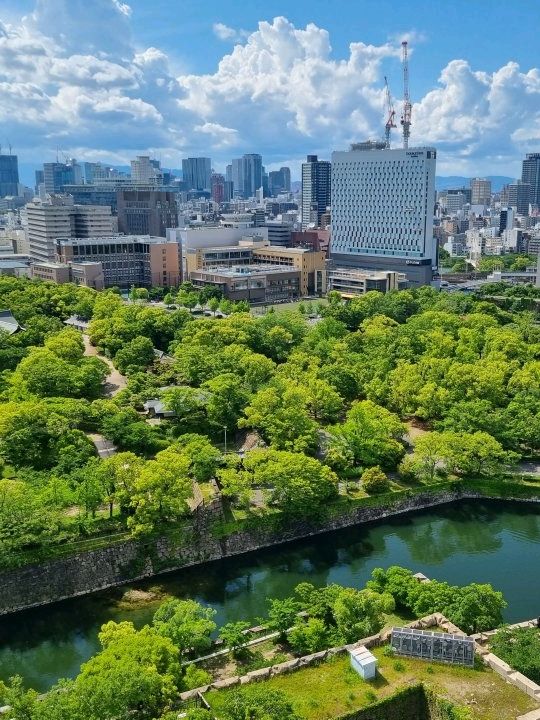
x=382 y=210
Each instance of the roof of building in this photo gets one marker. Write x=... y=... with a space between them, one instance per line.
x=13 y=264
x=245 y=270
x=8 y=322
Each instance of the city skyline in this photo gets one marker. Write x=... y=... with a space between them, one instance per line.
x=100 y=86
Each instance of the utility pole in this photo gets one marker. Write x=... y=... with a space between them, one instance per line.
x=391 y=114
x=407 y=107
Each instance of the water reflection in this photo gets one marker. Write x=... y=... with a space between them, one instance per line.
x=486 y=542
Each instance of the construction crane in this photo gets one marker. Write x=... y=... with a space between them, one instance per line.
x=391 y=114
x=407 y=107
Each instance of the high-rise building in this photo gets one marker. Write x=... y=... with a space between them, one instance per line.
x=382 y=209
x=146 y=212
x=146 y=171
x=9 y=175
x=56 y=175
x=506 y=220
x=480 y=191
x=247 y=175
x=316 y=186
x=196 y=173
x=217 y=182
x=49 y=221
x=530 y=174
x=519 y=196
x=279 y=181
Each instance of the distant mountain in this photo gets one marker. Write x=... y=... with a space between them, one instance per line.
x=456 y=181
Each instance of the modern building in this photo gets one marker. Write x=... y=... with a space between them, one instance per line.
x=48 y=221
x=480 y=191
x=506 y=220
x=217 y=183
x=9 y=175
x=279 y=181
x=351 y=282
x=57 y=175
x=139 y=260
x=279 y=233
x=519 y=196
x=382 y=210
x=246 y=175
x=146 y=171
x=146 y=212
x=316 y=190
x=88 y=274
x=196 y=173
x=254 y=283
x=530 y=174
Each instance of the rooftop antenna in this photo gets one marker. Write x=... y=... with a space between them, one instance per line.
x=391 y=114
x=407 y=107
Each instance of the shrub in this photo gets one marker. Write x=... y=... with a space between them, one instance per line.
x=375 y=481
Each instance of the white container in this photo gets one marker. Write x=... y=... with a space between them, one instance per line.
x=363 y=662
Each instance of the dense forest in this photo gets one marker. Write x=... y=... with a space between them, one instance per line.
x=331 y=394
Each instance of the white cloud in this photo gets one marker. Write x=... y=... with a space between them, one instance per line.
x=70 y=75
x=224 y=32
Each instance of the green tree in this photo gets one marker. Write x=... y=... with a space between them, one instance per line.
x=135 y=355
x=257 y=702
x=309 y=636
x=282 y=615
x=227 y=399
x=520 y=648
x=213 y=304
x=476 y=608
x=187 y=623
x=234 y=635
x=375 y=481
x=360 y=613
x=300 y=485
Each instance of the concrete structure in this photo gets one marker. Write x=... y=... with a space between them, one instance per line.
x=217 y=183
x=13 y=267
x=8 y=323
x=382 y=210
x=139 y=260
x=57 y=175
x=9 y=175
x=146 y=212
x=310 y=264
x=530 y=174
x=316 y=187
x=351 y=282
x=279 y=181
x=59 y=218
x=89 y=274
x=145 y=171
x=519 y=197
x=254 y=283
x=363 y=662
x=480 y=191
x=279 y=233
x=196 y=173
x=218 y=236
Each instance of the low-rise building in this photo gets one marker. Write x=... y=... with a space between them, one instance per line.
x=254 y=283
x=351 y=282
x=127 y=260
x=310 y=264
x=88 y=274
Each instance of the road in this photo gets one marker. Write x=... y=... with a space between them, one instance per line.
x=115 y=381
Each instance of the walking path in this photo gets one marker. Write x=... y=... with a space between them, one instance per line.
x=115 y=381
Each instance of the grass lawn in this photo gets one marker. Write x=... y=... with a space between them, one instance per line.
x=326 y=691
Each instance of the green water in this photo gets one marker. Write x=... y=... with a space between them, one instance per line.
x=470 y=541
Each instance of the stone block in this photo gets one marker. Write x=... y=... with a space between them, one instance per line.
x=189 y=695
x=228 y=682
x=284 y=667
x=260 y=674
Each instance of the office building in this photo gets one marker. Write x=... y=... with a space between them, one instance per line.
x=196 y=173
x=57 y=175
x=217 y=183
x=279 y=181
x=279 y=233
x=506 y=220
x=530 y=174
x=246 y=175
x=316 y=187
x=519 y=197
x=88 y=274
x=48 y=221
x=480 y=191
x=146 y=171
x=382 y=210
x=9 y=175
x=128 y=260
x=254 y=283
x=351 y=282
x=146 y=212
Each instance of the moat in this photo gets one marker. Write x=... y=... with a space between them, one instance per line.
x=473 y=541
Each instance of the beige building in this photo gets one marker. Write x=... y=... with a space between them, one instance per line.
x=46 y=222
x=140 y=260
x=254 y=283
x=351 y=282
x=89 y=274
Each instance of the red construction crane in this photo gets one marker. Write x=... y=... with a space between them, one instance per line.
x=407 y=107
x=391 y=114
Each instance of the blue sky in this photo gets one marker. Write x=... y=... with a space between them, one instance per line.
x=105 y=79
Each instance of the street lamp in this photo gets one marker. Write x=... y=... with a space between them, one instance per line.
x=225 y=433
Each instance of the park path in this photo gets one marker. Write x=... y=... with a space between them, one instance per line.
x=115 y=381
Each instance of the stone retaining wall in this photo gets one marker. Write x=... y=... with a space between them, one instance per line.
x=128 y=561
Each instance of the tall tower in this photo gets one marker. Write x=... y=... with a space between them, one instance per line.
x=531 y=174
x=316 y=185
x=407 y=107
